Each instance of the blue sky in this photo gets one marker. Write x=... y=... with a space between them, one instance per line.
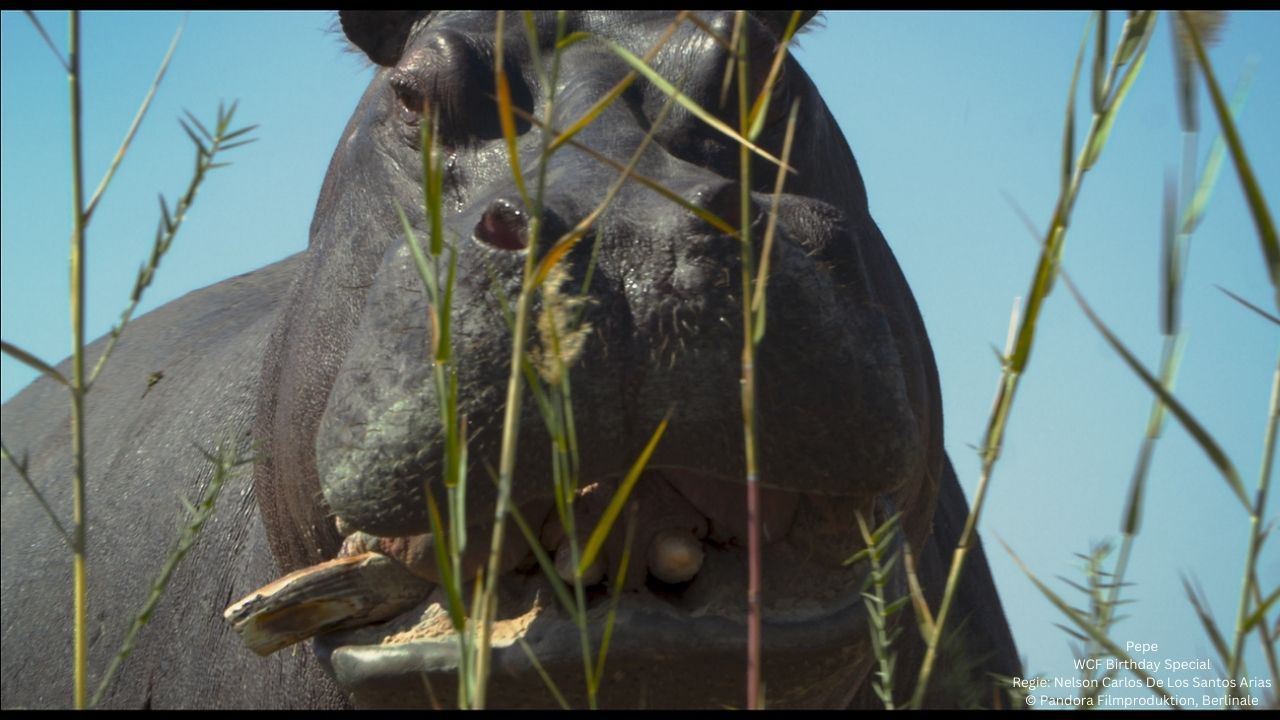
x=946 y=113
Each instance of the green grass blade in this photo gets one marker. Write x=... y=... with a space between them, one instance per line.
x=534 y=45
x=571 y=39
x=924 y=617
x=1209 y=176
x=1259 y=615
x=615 y=594
x=137 y=122
x=896 y=605
x=432 y=180
x=1208 y=23
x=1100 y=64
x=711 y=218
x=203 y=130
x=594 y=111
x=1206 y=619
x=1069 y=127
x=766 y=252
x=1172 y=358
x=1083 y=623
x=419 y=257
x=610 y=515
x=1108 y=117
x=505 y=117
x=204 y=151
x=1202 y=437
x=1135 y=28
x=1171 y=261
x=1253 y=192
x=48 y=40
x=225 y=462
x=686 y=102
x=760 y=108
x=21 y=468
x=1249 y=305
x=571 y=239
x=457 y=611
x=32 y=362
x=444 y=344
x=545 y=562
x=542 y=673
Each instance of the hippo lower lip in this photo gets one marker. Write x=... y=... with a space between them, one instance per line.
x=423 y=673
x=813 y=627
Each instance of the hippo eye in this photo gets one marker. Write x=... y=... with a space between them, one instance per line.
x=410 y=99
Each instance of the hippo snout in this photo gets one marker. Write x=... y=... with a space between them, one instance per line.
x=664 y=339
x=846 y=393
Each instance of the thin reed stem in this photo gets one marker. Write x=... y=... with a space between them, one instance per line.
x=1018 y=356
x=78 y=512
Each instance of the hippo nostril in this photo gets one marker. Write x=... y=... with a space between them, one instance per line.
x=503 y=226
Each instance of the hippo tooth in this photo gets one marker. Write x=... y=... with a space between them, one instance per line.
x=675 y=556
x=333 y=595
x=564 y=567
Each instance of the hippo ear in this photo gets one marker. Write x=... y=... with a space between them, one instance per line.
x=381 y=34
x=777 y=20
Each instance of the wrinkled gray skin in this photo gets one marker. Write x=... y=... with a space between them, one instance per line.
x=320 y=357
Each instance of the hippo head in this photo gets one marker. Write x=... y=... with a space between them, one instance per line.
x=848 y=414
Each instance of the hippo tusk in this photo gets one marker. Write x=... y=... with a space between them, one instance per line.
x=675 y=556
x=333 y=595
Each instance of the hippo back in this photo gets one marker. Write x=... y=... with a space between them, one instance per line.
x=142 y=439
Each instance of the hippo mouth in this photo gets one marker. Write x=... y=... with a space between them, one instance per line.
x=679 y=612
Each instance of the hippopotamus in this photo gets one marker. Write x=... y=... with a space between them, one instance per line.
x=319 y=366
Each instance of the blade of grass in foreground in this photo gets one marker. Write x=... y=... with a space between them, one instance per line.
x=170 y=223
x=615 y=594
x=133 y=126
x=1201 y=436
x=510 y=420
x=542 y=673
x=1083 y=623
x=32 y=362
x=687 y=103
x=1224 y=465
x=1176 y=241
x=1138 y=29
x=224 y=462
x=79 y=384
x=710 y=217
x=1252 y=191
x=750 y=437
x=1249 y=305
x=20 y=466
x=594 y=111
x=611 y=512
x=1194 y=210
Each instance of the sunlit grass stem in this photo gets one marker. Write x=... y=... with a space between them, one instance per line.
x=79 y=384
x=1018 y=356
x=79 y=529
x=512 y=408
x=1267 y=238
